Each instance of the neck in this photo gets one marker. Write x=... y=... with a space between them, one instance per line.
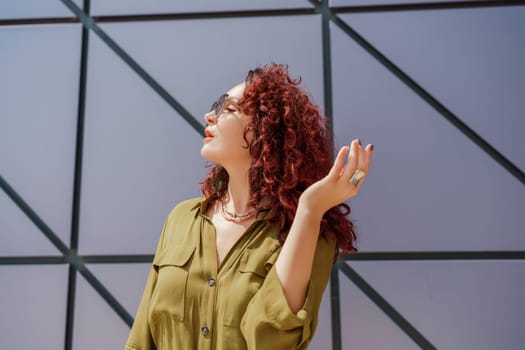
x=238 y=192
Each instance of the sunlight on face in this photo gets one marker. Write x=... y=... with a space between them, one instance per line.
x=224 y=143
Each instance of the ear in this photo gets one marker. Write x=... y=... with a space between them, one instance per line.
x=249 y=136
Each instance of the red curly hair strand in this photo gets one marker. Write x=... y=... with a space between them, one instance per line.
x=290 y=151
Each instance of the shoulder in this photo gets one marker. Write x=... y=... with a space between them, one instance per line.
x=180 y=227
x=188 y=204
x=186 y=208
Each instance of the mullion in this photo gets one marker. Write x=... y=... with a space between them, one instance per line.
x=77 y=183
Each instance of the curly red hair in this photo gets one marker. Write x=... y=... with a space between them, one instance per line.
x=290 y=151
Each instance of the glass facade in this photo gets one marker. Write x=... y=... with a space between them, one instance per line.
x=101 y=115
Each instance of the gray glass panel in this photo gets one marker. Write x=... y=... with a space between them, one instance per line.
x=11 y=9
x=104 y=7
x=18 y=235
x=429 y=187
x=364 y=326
x=33 y=307
x=124 y=281
x=39 y=67
x=456 y=305
x=472 y=61
x=197 y=60
x=96 y=325
x=141 y=158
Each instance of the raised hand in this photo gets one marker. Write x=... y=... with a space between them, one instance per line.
x=336 y=187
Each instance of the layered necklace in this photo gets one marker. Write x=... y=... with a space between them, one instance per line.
x=234 y=216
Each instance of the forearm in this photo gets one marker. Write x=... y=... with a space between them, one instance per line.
x=294 y=264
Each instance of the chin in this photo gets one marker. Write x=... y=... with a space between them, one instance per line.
x=206 y=154
x=203 y=153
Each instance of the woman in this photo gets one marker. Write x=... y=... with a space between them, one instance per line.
x=245 y=266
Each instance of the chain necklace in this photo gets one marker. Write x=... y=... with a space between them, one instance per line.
x=236 y=217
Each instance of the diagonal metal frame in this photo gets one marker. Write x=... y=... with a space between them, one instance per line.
x=70 y=255
x=433 y=102
x=328 y=14
x=386 y=307
x=425 y=95
x=90 y=23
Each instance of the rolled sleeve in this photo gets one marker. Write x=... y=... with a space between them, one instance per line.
x=269 y=323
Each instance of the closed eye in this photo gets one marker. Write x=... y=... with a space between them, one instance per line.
x=231 y=108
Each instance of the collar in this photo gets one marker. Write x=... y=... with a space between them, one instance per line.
x=202 y=204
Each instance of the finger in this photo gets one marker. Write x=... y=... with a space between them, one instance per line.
x=364 y=158
x=339 y=162
x=364 y=163
x=353 y=157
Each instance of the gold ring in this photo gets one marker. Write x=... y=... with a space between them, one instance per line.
x=358 y=175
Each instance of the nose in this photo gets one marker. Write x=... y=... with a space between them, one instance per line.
x=209 y=117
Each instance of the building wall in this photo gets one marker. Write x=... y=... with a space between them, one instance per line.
x=91 y=164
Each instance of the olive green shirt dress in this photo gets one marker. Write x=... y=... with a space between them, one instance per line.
x=191 y=303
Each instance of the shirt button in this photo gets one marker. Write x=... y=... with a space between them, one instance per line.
x=211 y=282
x=205 y=330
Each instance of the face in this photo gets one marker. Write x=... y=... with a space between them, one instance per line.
x=224 y=143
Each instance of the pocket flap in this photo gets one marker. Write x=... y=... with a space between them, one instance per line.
x=257 y=262
x=176 y=255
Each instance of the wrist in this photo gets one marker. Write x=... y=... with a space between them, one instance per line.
x=310 y=210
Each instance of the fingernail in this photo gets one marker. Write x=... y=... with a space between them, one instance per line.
x=359 y=141
x=372 y=147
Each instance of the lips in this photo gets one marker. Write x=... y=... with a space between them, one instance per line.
x=208 y=133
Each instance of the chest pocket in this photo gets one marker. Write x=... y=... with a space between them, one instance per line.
x=254 y=265
x=169 y=295
x=259 y=264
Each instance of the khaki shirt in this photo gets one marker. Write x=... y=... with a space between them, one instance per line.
x=189 y=303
